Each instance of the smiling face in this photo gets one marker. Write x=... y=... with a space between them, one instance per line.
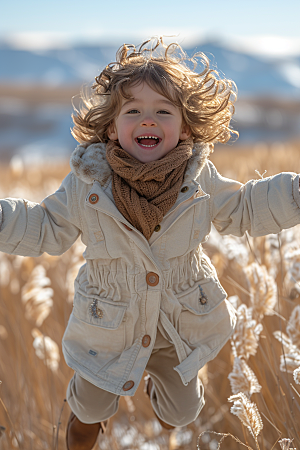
x=148 y=125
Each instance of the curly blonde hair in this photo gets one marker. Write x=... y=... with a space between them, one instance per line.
x=206 y=101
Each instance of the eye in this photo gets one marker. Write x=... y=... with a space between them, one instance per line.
x=162 y=111
x=133 y=111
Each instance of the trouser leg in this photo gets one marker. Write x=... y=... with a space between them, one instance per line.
x=174 y=403
x=90 y=403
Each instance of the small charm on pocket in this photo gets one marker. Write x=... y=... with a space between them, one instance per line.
x=203 y=298
x=95 y=311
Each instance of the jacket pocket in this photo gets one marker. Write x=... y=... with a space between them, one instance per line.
x=204 y=297
x=207 y=319
x=95 y=335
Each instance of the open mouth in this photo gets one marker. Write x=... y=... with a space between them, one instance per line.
x=148 y=141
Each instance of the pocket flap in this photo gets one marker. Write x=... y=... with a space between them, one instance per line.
x=204 y=297
x=101 y=312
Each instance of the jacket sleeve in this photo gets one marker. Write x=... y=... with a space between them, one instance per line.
x=29 y=229
x=260 y=207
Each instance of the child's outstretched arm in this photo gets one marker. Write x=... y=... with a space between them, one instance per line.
x=260 y=207
x=29 y=229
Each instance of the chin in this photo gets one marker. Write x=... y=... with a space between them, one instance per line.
x=147 y=160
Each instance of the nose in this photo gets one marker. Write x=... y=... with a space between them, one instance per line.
x=148 y=122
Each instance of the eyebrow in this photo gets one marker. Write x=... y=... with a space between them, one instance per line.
x=132 y=100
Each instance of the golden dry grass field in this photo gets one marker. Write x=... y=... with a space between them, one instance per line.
x=259 y=369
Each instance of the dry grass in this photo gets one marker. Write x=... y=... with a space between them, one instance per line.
x=262 y=277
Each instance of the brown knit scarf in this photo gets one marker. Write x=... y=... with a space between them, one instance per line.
x=144 y=192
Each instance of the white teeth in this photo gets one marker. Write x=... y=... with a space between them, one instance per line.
x=147 y=137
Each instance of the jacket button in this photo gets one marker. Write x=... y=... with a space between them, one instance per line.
x=152 y=279
x=128 y=385
x=184 y=189
x=127 y=227
x=93 y=198
x=157 y=228
x=146 y=340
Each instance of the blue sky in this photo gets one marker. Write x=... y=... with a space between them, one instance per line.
x=36 y=22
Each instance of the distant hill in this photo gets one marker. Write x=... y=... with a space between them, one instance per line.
x=36 y=88
x=80 y=64
x=255 y=75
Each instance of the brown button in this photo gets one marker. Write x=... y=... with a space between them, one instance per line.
x=184 y=189
x=93 y=198
x=146 y=340
x=128 y=385
x=157 y=228
x=127 y=227
x=152 y=279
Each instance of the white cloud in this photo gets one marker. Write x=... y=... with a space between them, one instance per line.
x=270 y=46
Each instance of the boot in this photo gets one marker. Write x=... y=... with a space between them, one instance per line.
x=82 y=436
x=147 y=390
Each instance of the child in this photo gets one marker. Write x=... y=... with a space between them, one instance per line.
x=143 y=195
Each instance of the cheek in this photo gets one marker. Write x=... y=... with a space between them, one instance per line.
x=173 y=133
x=173 y=128
x=125 y=128
x=125 y=136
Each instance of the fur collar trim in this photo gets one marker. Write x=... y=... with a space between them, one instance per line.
x=89 y=164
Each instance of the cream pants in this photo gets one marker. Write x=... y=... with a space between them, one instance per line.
x=174 y=403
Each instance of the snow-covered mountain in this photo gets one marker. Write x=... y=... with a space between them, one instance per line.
x=79 y=64
x=268 y=108
x=255 y=75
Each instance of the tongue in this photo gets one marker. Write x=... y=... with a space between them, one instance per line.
x=145 y=141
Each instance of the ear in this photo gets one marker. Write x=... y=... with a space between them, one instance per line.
x=112 y=132
x=185 y=132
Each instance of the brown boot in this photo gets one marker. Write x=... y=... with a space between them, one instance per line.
x=148 y=387
x=82 y=436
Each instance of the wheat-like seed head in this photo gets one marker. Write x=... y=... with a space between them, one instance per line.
x=246 y=336
x=263 y=290
x=285 y=341
x=247 y=412
x=271 y=254
x=227 y=251
x=243 y=379
x=46 y=349
x=293 y=326
x=290 y=360
x=235 y=250
x=296 y=375
x=292 y=267
x=285 y=444
x=37 y=296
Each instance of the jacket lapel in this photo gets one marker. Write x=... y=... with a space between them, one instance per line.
x=106 y=206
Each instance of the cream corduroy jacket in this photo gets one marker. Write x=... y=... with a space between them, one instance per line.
x=129 y=286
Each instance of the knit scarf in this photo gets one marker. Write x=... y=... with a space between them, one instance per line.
x=144 y=192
